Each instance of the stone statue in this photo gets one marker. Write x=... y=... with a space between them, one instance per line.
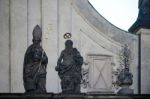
x=143 y=20
x=34 y=67
x=69 y=69
x=144 y=9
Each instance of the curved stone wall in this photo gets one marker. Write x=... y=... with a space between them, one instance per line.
x=94 y=36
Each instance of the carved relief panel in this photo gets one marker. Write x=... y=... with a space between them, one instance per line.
x=99 y=73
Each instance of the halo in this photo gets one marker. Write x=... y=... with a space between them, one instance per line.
x=67 y=35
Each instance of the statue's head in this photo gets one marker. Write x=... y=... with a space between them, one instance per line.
x=37 y=35
x=68 y=44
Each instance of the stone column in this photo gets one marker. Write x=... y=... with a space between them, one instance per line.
x=4 y=47
x=18 y=32
x=50 y=41
x=145 y=60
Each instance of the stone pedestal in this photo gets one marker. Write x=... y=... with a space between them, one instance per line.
x=125 y=90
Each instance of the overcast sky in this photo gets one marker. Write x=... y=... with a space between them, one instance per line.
x=121 y=13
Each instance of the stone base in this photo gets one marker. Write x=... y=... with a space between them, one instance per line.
x=125 y=91
x=100 y=91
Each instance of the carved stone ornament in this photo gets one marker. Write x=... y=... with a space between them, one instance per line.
x=125 y=77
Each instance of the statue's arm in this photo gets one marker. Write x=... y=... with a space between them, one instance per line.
x=78 y=58
x=57 y=68
x=45 y=59
x=27 y=56
x=60 y=59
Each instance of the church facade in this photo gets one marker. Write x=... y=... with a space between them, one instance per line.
x=98 y=41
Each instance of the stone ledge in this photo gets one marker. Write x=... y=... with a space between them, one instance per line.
x=80 y=96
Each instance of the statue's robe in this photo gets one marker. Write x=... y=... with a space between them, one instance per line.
x=34 y=69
